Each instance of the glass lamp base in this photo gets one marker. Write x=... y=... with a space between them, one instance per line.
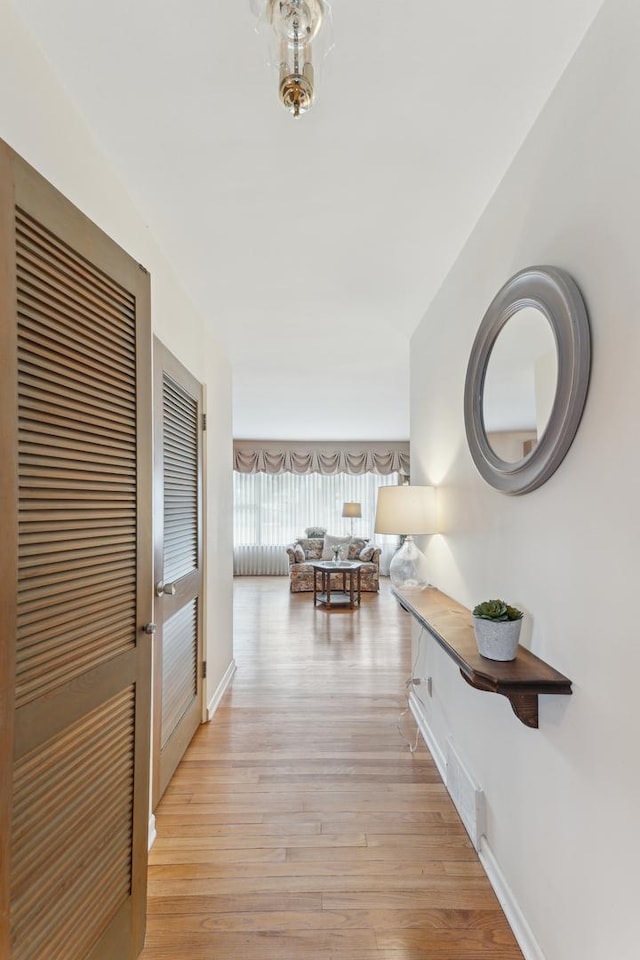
x=408 y=569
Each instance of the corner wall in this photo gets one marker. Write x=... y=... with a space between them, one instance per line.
x=561 y=800
x=42 y=125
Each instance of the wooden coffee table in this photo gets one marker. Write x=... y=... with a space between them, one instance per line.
x=348 y=595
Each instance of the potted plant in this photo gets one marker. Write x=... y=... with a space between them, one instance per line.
x=497 y=629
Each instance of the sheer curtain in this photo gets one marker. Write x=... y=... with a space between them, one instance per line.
x=271 y=510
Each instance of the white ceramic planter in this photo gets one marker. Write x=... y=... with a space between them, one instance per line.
x=497 y=639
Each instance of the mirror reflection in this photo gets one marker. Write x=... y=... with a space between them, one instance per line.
x=520 y=385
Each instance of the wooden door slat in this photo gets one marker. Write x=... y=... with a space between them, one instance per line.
x=47 y=241
x=178 y=553
x=76 y=347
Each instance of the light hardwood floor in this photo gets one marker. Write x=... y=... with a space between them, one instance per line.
x=299 y=826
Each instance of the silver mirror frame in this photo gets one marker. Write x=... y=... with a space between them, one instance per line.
x=556 y=295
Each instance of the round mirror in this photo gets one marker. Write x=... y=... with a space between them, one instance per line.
x=520 y=385
x=527 y=379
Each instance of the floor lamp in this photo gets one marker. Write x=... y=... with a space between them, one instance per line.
x=353 y=511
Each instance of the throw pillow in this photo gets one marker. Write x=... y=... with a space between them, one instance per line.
x=366 y=554
x=356 y=545
x=331 y=542
x=313 y=548
x=298 y=554
x=315 y=531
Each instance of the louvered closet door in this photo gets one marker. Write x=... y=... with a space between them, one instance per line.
x=75 y=580
x=178 y=657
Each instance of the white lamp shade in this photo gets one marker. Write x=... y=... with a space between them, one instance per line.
x=409 y=510
x=351 y=510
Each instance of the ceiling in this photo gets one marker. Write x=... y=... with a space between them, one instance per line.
x=312 y=246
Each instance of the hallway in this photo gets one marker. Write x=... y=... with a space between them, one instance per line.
x=299 y=826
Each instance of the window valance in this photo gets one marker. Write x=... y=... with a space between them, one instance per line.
x=271 y=456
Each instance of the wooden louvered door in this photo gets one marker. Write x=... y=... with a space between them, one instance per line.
x=75 y=580
x=178 y=655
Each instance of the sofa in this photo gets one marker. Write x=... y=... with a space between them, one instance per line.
x=303 y=551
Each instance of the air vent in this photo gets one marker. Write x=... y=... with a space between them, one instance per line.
x=466 y=795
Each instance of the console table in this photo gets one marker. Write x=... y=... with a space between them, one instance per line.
x=521 y=680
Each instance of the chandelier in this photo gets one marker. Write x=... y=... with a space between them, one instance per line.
x=293 y=27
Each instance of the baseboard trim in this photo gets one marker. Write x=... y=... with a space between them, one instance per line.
x=221 y=689
x=152 y=831
x=515 y=917
x=427 y=735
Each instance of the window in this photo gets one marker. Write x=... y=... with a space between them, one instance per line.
x=271 y=510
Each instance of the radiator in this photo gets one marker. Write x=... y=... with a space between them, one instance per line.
x=255 y=561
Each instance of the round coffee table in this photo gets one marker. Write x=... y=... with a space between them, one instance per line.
x=348 y=595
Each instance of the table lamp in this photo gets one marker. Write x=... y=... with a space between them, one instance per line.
x=351 y=510
x=407 y=510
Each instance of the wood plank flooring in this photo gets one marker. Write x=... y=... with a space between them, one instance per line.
x=299 y=826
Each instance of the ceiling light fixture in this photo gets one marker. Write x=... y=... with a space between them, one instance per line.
x=293 y=26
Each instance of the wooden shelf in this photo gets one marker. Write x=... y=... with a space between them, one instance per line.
x=451 y=625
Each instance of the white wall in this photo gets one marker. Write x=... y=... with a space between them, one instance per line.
x=40 y=123
x=562 y=800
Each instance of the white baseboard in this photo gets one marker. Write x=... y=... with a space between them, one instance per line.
x=152 y=831
x=515 y=917
x=427 y=735
x=220 y=690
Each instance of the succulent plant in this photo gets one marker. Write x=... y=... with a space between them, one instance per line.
x=496 y=610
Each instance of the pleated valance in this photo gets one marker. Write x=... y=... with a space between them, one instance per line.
x=273 y=456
